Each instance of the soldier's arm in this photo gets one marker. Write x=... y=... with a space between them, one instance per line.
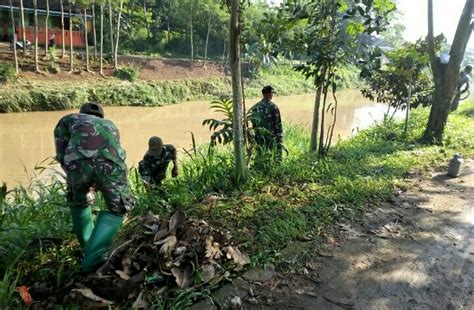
x=174 y=172
x=278 y=128
x=61 y=139
x=144 y=171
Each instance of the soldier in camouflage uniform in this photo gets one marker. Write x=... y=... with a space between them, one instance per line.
x=88 y=149
x=156 y=160
x=266 y=120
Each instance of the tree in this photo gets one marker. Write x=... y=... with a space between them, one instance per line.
x=117 y=35
x=95 y=29
x=12 y=15
x=235 y=67
x=402 y=83
x=332 y=38
x=71 y=45
x=63 y=54
x=36 y=35
x=85 y=38
x=101 y=70
x=22 y=20
x=46 y=28
x=446 y=75
x=111 y=29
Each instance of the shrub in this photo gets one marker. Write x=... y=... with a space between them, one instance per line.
x=129 y=73
x=7 y=73
x=54 y=68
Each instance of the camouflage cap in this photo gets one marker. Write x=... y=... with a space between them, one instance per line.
x=268 y=89
x=155 y=146
x=92 y=108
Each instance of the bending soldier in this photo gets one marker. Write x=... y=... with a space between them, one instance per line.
x=155 y=163
x=88 y=149
x=265 y=118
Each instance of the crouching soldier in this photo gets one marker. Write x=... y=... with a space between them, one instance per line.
x=88 y=149
x=155 y=163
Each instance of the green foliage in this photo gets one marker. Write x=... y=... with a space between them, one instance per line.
x=128 y=73
x=403 y=74
x=7 y=73
x=224 y=134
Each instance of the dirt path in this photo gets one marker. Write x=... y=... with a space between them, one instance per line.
x=417 y=252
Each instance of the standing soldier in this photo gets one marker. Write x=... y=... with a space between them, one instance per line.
x=266 y=120
x=88 y=149
x=156 y=160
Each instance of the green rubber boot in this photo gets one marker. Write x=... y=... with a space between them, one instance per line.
x=106 y=227
x=82 y=224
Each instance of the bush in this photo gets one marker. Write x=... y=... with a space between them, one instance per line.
x=129 y=73
x=7 y=73
x=54 y=68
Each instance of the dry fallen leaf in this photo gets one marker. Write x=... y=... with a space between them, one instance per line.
x=25 y=294
x=160 y=235
x=141 y=302
x=208 y=272
x=168 y=245
x=86 y=292
x=183 y=278
x=240 y=259
x=122 y=274
x=176 y=220
x=212 y=249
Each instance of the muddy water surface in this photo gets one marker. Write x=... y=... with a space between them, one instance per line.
x=26 y=139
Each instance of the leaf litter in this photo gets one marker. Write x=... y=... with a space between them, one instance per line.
x=158 y=255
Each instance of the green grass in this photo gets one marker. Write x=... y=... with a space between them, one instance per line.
x=278 y=205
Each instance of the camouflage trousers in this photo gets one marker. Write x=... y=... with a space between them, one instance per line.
x=106 y=176
x=266 y=144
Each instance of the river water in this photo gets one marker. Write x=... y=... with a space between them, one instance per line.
x=27 y=138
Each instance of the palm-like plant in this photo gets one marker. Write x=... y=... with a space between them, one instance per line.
x=222 y=128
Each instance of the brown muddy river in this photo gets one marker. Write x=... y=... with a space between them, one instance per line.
x=27 y=138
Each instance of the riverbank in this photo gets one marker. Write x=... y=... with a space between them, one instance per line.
x=300 y=199
x=52 y=94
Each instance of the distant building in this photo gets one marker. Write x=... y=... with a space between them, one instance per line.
x=54 y=23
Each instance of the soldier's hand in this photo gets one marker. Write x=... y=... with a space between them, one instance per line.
x=174 y=172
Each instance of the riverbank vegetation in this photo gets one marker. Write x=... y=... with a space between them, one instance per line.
x=50 y=96
x=300 y=199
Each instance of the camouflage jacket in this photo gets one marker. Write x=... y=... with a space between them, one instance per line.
x=153 y=168
x=79 y=136
x=266 y=115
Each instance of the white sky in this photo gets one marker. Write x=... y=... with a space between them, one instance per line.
x=446 y=15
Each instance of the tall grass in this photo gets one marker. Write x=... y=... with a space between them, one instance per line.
x=279 y=204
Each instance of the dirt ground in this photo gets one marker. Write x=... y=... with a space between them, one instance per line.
x=414 y=253
x=417 y=252
x=151 y=68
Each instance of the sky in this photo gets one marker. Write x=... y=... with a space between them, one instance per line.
x=446 y=15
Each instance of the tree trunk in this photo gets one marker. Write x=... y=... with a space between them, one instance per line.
x=87 y=41
x=117 y=36
x=101 y=38
x=235 y=67
x=191 y=33
x=71 y=47
x=111 y=25
x=14 y=37
x=62 y=31
x=207 y=41
x=314 y=128
x=46 y=45
x=36 y=35
x=95 y=31
x=408 y=105
x=446 y=75
x=23 y=27
x=223 y=52
x=323 y=117
x=147 y=24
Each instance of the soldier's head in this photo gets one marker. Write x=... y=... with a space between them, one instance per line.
x=92 y=108
x=268 y=92
x=155 y=146
x=468 y=69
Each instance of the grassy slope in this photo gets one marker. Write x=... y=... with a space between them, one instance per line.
x=278 y=205
x=47 y=96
